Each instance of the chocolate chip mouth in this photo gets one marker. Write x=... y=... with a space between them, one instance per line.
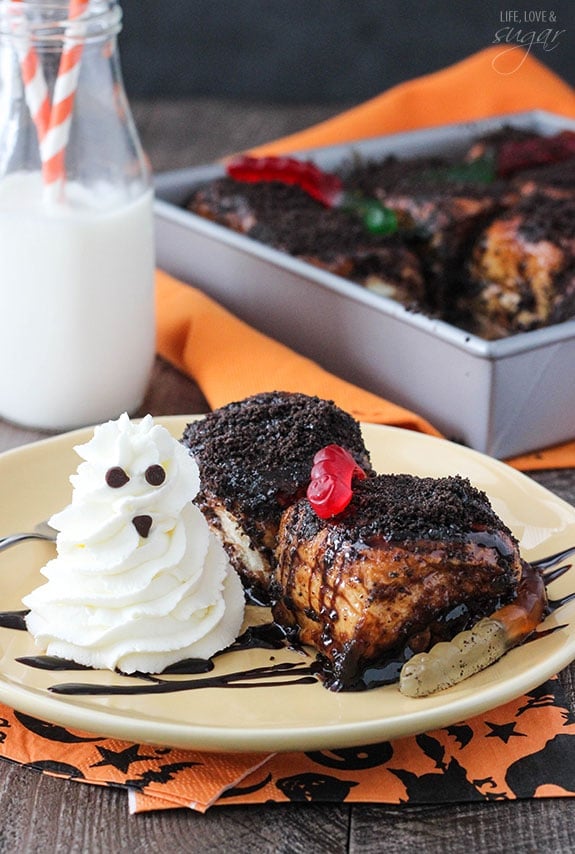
x=142 y=524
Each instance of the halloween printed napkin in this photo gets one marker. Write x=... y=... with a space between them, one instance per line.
x=523 y=749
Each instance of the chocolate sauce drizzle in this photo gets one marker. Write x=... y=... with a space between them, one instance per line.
x=554 y=559
x=257 y=677
x=269 y=636
x=266 y=636
x=13 y=620
x=555 y=604
x=550 y=571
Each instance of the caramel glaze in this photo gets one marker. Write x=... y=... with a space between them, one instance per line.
x=522 y=616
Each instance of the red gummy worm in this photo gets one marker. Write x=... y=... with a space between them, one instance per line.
x=330 y=488
x=518 y=154
x=324 y=187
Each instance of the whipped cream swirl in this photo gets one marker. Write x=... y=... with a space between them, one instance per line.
x=139 y=581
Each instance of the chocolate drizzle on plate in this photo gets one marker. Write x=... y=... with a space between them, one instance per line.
x=265 y=636
x=13 y=620
x=257 y=677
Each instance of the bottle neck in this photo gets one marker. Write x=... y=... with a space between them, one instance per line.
x=63 y=108
x=49 y=25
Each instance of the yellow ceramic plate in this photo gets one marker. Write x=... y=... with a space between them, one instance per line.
x=34 y=483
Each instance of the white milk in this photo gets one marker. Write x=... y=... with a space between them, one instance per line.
x=77 y=304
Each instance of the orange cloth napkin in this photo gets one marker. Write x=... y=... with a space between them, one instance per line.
x=229 y=360
x=489 y=83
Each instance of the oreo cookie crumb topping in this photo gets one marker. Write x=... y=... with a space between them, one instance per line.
x=288 y=218
x=403 y=507
x=255 y=455
x=547 y=218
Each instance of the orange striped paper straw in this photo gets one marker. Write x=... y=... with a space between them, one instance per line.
x=35 y=88
x=55 y=141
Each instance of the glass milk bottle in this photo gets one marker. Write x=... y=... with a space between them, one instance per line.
x=76 y=225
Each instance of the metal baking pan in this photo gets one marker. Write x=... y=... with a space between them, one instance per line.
x=502 y=397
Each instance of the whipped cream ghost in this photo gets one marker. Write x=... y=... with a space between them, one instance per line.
x=139 y=581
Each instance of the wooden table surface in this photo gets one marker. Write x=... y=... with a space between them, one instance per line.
x=44 y=814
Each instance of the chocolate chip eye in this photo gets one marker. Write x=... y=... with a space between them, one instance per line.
x=155 y=475
x=116 y=477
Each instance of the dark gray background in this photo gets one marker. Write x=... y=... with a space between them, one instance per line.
x=316 y=50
